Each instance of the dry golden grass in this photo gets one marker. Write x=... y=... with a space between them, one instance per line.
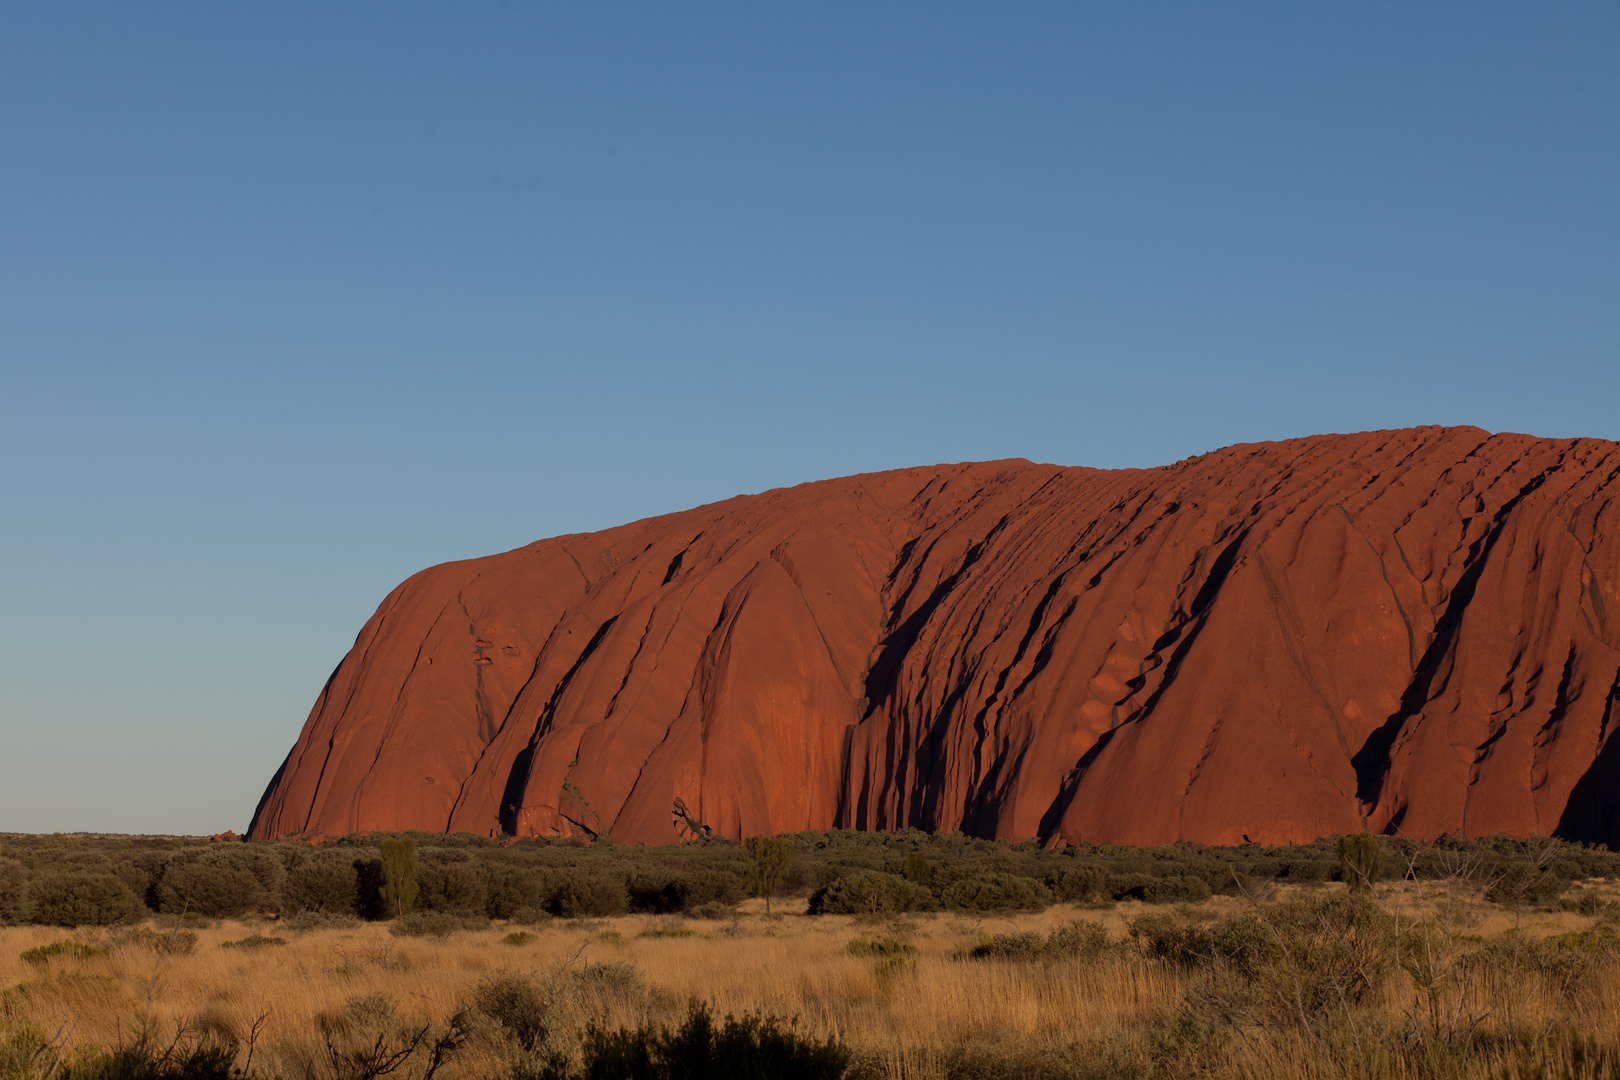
x=903 y=1016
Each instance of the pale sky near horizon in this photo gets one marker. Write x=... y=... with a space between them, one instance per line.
x=297 y=299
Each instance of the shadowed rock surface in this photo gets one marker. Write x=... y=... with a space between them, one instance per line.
x=1416 y=630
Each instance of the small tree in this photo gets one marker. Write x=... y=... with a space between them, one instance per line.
x=918 y=870
x=1361 y=861
x=767 y=860
x=399 y=874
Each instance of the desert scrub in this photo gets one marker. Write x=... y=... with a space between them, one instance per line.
x=83 y=899
x=881 y=947
x=1080 y=939
x=436 y=924
x=869 y=892
x=997 y=892
x=762 y=1047
x=176 y=942
x=64 y=950
x=252 y=942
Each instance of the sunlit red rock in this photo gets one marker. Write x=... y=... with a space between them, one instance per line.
x=1414 y=630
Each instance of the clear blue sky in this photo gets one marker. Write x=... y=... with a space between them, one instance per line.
x=296 y=299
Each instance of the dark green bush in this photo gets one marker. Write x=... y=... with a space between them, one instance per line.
x=752 y=1048
x=1078 y=884
x=14 y=907
x=221 y=881
x=997 y=892
x=515 y=892
x=42 y=955
x=583 y=895
x=320 y=882
x=1303 y=870
x=518 y=1005
x=209 y=1059
x=1566 y=869
x=1078 y=940
x=881 y=947
x=1361 y=860
x=80 y=899
x=1133 y=886
x=1524 y=885
x=369 y=883
x=457 y=888
x=438 y=924
x=611 y=979
x=658 y=892
x=320 y=920
x=177 y=943
x=253 y=942
x=869 y=892
x=399 y=867
x=1175 y=890
x=1027 y=945
x=720 y=886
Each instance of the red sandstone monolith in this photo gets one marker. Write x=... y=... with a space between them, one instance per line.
x=1415 y=631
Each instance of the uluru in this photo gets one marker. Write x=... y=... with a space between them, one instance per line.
x=1412 y=631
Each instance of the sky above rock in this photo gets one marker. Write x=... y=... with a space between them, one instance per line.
x=296 y=300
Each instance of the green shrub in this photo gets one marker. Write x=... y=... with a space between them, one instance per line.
x=667 y=932
x=1308 y=870
x=67 y=898
x=766 y=862
x=997 y=892
x=253 y=942
x=517 y=937
x=1166 y=937
x=221 y=881
x=1361 y=861
x=1025 y=945
x=14 y=906
x=515 y=892
x=42 y=955
x=588 y=895
x=881 y=947
x=611 y=978
x=369 y=883
x=1076 y=940
x=517 y=1005
x=1566 y=869
x=1524 y=885
x=436 y=924
x=454 y=887
x=320 y=883
x=869 y=892
x=1132 y=886
x=1079 y=939
x=207 y=1059
x=181 y=943
x=753 y=1048
x=399 y=867
x=1078 y=884
x=658 y=892
x=320 y=920
x=1176 y=890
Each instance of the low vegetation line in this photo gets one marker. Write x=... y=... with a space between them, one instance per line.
x=896 y=956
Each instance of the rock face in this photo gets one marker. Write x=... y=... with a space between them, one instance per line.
x=1417 y=631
